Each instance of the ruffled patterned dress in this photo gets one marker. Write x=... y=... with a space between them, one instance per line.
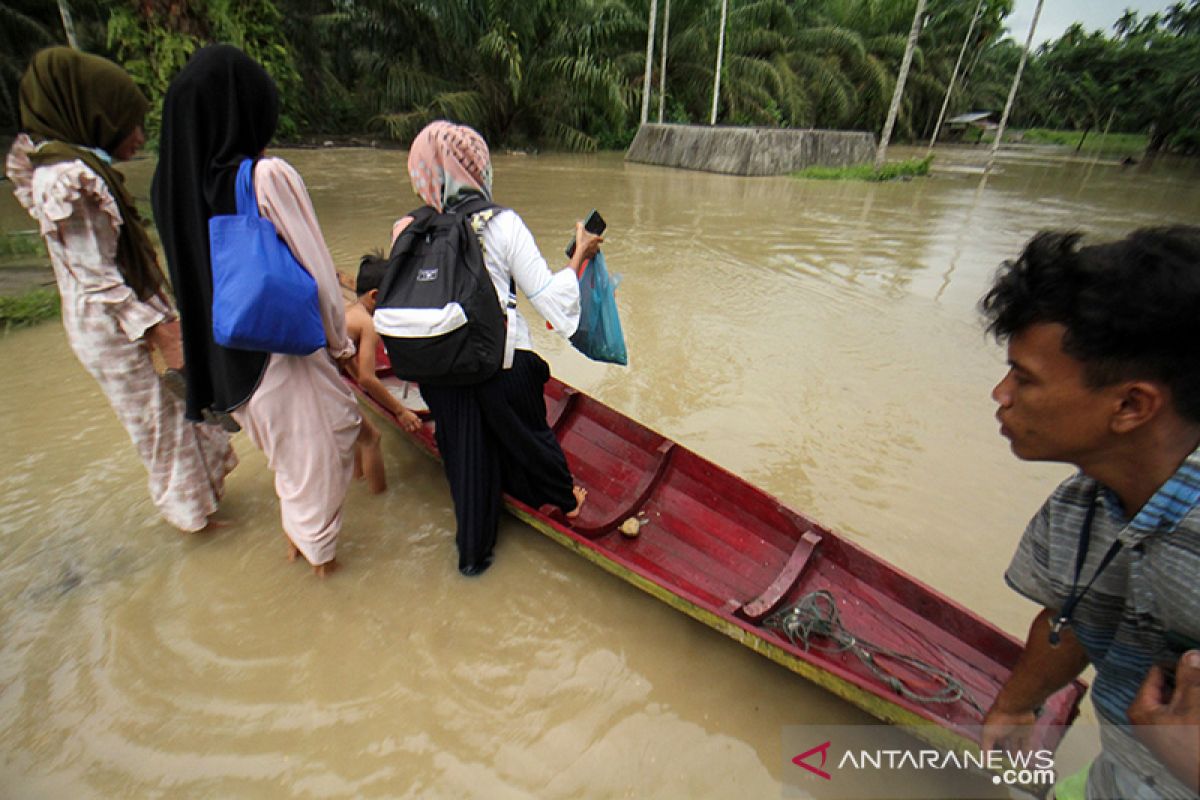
x=105 y=323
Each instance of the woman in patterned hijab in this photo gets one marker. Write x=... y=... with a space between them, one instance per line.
x=449 y=162
x=492 y=435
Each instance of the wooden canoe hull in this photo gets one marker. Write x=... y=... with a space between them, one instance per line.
x=727 y=554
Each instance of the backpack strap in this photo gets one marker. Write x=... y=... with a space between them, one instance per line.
x=478 y=221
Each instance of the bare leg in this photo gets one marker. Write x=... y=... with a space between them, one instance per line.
x=580 y=495
x=368 y=454
x=292 y=550
x=320 y=570
x=358 y=460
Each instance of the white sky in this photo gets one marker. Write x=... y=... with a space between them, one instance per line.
x=1057 y=16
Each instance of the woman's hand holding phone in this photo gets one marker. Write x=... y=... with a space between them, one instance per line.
x=593 y=224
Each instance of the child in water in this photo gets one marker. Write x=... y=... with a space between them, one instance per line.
x=361 y=329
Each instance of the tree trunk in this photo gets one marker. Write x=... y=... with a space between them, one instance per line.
x=937 y=128
x=894 y=110
x=649 y=60
x=68 y=23
x=720 y=55
x=1155 y=141
x=662 y=68
x=1083 y=138
x=1012 y=92
x=1108 y=125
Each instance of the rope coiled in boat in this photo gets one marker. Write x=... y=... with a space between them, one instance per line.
x=815 y=615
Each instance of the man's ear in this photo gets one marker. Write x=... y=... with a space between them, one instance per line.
x=1139 y=402
x=373 y=296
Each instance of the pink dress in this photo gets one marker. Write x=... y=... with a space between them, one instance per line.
x=105 y=323
x=302 y=415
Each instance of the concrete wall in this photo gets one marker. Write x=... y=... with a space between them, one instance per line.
x=748 y=151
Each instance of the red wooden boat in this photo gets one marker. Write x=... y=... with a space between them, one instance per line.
x=728 y=554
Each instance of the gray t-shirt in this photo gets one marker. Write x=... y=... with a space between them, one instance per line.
x=1150 y=588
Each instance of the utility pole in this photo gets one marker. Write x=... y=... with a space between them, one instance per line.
x=1012 y=93
x=720 y=54
x=649 y=61
x=662 y=69
x=953 y=79
x=894 y=110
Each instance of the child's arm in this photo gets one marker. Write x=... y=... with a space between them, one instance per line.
x=364 y=369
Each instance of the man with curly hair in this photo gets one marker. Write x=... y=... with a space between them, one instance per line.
x=1104 y=373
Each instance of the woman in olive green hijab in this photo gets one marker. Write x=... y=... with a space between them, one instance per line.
x=79 y=114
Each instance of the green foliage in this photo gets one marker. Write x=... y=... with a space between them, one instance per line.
x=569 y=73
x=29 y=308
x=154 y=43
x=152 y=54
x=547 y=73
x=1141 y=78
x=21 y=243
x=893 y=170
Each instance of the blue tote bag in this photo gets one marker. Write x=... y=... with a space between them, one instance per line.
x=599 y=335
x=263 y=299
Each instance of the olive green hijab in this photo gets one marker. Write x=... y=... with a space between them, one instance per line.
x=73 y=103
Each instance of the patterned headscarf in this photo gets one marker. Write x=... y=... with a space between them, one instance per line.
x=447 y=162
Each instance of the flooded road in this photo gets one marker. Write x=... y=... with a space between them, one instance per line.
x=819 y=339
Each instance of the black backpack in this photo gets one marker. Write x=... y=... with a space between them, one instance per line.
x=437 y=310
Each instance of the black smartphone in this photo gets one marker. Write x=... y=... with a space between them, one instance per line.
x=593 y=224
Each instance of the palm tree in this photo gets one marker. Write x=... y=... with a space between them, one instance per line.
x=649 y=59
x=716 y=94
x=662 y=70
x=68 y=24
x=885 y=137
x=954 y=76
x=540 y=71
x=1012 y=93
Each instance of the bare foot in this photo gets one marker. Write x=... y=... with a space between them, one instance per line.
x=580 y=495
x=292 y=550
x=211 y=525
x=326 y=569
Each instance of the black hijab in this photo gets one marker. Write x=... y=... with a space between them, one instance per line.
x=220 y=109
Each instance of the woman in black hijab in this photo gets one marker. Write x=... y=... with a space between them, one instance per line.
x=220 y=110
x=79 y=113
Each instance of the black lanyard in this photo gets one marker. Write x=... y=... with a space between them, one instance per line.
x=1085 y=535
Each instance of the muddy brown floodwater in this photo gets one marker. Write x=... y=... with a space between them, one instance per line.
x=818 y=338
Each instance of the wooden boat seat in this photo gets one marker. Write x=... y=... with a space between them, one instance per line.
x=557 y=413
x=640 y=495
x=765 y=603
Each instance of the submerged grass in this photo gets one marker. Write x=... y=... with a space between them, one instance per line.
x=28 y=308
x=21 y=243
x=1093 y=142
x=893 y=170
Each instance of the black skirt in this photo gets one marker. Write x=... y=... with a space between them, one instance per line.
x=493 y=438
